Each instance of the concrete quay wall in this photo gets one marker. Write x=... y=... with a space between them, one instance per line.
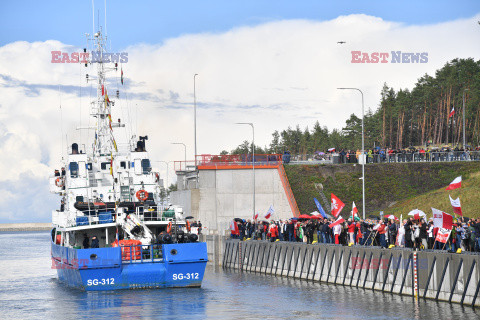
x=423 y=274
x=225 y=194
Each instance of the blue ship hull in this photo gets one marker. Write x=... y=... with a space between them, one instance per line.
x=180 y=265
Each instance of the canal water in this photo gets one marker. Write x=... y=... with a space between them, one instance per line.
x=29 y=289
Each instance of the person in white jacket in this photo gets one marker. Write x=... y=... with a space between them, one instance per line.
x=401 y=234
x=337 y=230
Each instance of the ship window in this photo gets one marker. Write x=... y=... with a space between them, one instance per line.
x=123 y=164
x=73 y=167
x=105 y=165
x=146 y=168
x=89 y=166
x=79 y=198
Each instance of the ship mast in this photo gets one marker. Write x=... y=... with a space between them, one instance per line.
x=101 y=108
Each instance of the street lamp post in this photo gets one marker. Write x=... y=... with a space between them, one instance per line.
x=464 y=141
x=195 y=127
x=363 y=148
x=253 y=160
x=185 y=152
x=195 y=118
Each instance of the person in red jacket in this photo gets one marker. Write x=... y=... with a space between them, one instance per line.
x=359 y=235
x=351 y=231
x=273 y=230
x=382 y=230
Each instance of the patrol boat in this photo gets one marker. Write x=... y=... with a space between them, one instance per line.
x=112 y=231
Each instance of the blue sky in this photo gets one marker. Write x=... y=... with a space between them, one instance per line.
x=152 y=21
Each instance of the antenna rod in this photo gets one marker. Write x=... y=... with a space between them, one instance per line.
x=93 y=17
x=105 y=19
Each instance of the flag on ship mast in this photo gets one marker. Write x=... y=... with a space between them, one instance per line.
x=121 y=75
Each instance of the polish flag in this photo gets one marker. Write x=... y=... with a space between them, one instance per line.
x=442 y=235
x=457 y=208
x=354 y=211
x=331 y=149
x=442 y=219
x=337 y=205
x=270 y=212
x=338 y=221
x=234 y=227
x=456 y=183
x=452 y=112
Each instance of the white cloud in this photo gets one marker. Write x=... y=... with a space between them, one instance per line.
x=276 y=74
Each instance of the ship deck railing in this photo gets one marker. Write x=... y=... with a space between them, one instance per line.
x=144 y=213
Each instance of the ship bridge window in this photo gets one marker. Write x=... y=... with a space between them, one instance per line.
x=123 y=165
x=89 y=166
x=73 y=167
x=146 y=168
x=105 y=165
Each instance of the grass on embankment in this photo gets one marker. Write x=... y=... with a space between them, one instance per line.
x=469 y=195
x=394 y=188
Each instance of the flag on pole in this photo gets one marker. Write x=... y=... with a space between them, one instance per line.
x=457 y=208
x=320 y=209
x=337 y=205
x=455 y=184
x=255 y=216
x=354 y=212
x=442 y=235
x=121 y=75
x=111 y=164
x=338 y=221
x=331 y=149
x=270 y=212
x=442 y=219
x=103 y=90
x=452 y=112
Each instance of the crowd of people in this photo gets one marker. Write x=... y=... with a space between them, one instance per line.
x=379 y=155
x=412 y=233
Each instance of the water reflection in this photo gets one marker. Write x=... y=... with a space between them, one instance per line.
x=29 y=289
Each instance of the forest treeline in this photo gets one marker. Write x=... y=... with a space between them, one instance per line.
x=404 y=118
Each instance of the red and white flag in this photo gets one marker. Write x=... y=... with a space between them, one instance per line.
x=270 y=212
x=442 y=235
x=338 y=221
x=354 y=210
x=337 y=205
x=456 y=183
x=255 y=216
x=457 y=208
x=234 y=227
x=452 y=112
x=331 y=149
x=442 y=219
